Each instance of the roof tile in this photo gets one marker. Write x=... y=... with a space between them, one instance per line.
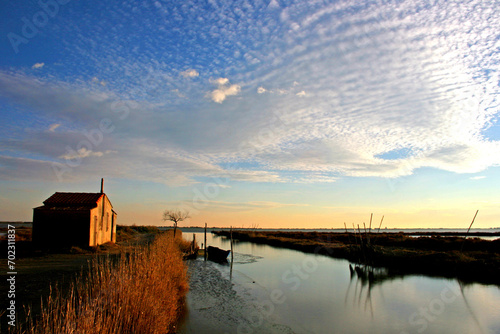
x=72 y=199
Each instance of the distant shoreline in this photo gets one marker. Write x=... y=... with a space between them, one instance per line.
x=478 y=232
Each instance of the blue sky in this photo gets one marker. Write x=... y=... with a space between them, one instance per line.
x=270 y=113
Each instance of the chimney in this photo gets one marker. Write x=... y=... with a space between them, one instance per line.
x=102 y=186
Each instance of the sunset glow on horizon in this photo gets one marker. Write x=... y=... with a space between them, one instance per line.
x=269 y=114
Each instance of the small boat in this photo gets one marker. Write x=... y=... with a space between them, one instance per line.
x=216 y=254
x=190 y=255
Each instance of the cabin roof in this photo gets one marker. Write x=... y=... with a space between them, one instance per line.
x=73 y=199
x=65 y=208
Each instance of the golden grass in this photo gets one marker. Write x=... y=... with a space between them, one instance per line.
x=185 y=246
x=142 y=292
x=125 y=232
x=23 y=233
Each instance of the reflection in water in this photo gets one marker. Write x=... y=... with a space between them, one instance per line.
x=468 y=306
x=365 y=279
x=231 y=271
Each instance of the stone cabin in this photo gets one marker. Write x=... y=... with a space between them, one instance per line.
x=74 y=219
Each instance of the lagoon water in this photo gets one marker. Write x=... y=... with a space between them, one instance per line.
x=273 y=290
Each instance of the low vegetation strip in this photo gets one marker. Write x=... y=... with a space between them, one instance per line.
x=470 y=259
x=141 y=292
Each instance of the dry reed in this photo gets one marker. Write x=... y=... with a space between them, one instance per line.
x=142 y=292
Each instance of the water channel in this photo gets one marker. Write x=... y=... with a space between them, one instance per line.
x=274 y=290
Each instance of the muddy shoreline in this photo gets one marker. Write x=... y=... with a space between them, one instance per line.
x=468 y=259
x=221 y=303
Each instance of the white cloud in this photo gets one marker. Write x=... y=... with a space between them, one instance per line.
x=273 y=4
x=190 y=73
x=81 y=153
x=464 y=157
x=219 y=95
x=480 y=177
x=178 y=93
x=220 y=81
x=97 y=81
x=38 y=65
x=282 y=91
x=312 y=177
x=54 y=126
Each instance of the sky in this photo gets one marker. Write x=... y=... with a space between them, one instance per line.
x=255 y=113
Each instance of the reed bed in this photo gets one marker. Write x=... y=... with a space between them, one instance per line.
x=141 y=292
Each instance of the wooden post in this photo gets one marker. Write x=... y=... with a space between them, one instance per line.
x=370 y=228
x=462 y=248
x=360 y=236
x=366 y=234
x=232 y=256
x=354 y=231
x=348 y=235
x=205 y=252
x=472 y=222
x=361 y=243
x=231 y=234
x=381 y=220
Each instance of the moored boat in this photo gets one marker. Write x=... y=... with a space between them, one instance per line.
x=216 y=254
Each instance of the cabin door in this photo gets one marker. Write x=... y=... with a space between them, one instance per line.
x=95 y=231
x=112 y=225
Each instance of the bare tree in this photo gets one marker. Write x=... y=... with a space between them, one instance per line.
x=175 y=216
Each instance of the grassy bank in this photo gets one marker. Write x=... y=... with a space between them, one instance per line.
x=470 y=259
x=138 y=291
x=126 y=232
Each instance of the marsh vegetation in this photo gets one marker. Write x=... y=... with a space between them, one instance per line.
x=137 y=286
